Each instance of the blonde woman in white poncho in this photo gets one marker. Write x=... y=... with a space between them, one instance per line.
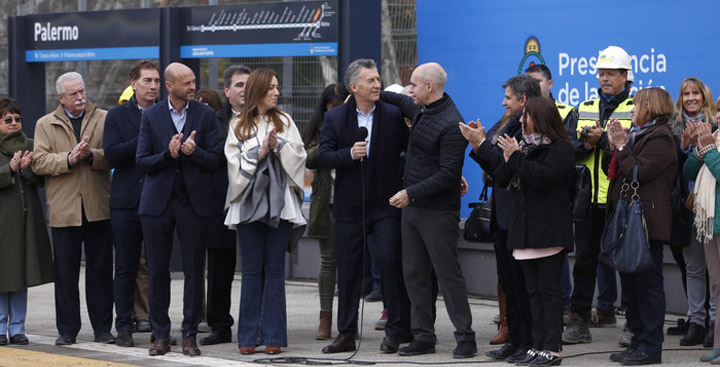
x=266 y=167
x=703 y=167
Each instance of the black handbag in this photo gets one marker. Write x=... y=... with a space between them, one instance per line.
x=624 y=245
x=477 y=225
x=582 y=194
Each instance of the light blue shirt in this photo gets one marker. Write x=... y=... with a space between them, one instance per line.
x=178 y=119
x=367 y=121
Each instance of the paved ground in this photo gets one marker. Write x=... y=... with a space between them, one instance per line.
x=302 y=349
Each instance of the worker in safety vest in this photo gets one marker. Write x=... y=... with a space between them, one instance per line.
x=589 y=137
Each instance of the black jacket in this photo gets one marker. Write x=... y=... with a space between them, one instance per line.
x=381 y=175
x=436 y=152
x=540 y=212
x=120 y=140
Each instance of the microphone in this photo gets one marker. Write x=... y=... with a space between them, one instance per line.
x=362 y=133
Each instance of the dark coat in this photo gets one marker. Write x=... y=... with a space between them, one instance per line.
x=153 y=157
x=320 y=210
x=219 y=235
x=26 y=257
x=120 y=139
x=435 y=154
x=654 y=152
x=382 y=168
x=540 y=211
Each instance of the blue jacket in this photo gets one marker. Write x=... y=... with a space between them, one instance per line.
x=382 y=168
x=153 y=157
x=120 y=139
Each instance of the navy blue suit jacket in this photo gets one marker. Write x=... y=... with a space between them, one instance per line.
x=382 y=169
x=120 y=139
x=153 y=157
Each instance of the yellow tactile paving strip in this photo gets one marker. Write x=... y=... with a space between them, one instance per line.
x=15 y=357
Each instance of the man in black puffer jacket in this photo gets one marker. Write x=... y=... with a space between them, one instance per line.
x=431 y=210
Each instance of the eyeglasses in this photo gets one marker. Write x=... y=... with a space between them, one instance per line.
x=9 y=120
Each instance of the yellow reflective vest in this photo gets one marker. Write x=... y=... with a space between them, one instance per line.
x=588 y=113
x=563 y=109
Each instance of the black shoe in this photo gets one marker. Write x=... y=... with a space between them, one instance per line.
x=520 y=353
x=374 y=296
x=694 y=336
x=390 y=344
x=544 y=358
x=124 y=338
x=465 y=349
x=105 y=338
x=637 y=358
x=65 y=340
x=505 y=351
x=3 y=340
x=217 y=337
x=416 y=348
x=529 y=356
x=19 y=339
x=680 y=329
x=339 y=345
x=142 y=326
x=620 y=356
x=171 y=339
x=709 y=340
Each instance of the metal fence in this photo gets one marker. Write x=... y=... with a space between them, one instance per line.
x=302 y=79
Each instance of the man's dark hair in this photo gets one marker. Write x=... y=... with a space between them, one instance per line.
x=523 y=85
x=139 y=66
x=232 y=70
x=353 y=70
x=540 y=68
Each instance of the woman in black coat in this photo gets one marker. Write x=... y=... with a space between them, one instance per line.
x=538 y=174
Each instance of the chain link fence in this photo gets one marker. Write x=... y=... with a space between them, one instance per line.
x=302 y=79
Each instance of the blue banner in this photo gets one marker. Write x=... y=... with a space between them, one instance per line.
x=483 y=43
x=259 y=50
x=112 y=53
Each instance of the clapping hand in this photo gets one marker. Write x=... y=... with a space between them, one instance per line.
x=689 y=136
x=174 y=146
x=508 y=145
x=473 y=132
x=25 y=160
x=705 y=136
x=188 y=147
x=617 y=134
x=269 y=143
x=80 y=152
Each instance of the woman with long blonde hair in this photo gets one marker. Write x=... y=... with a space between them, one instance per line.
x=266 y=168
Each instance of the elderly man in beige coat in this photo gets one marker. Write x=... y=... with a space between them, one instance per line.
x=68 y=152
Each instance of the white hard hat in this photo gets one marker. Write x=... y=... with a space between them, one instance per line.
x=615 y=57
x=396 y=88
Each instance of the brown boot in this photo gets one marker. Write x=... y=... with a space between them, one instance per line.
x=502 y=334
x=323 y=332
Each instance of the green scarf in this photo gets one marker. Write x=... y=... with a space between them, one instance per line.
x=13 y=142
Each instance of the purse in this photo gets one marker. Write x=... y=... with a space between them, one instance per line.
x=582 y=194
x=477 y=226
x=624 y=245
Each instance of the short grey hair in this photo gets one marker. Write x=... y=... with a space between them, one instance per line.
x=353 y=71
x=70 y=75
x=435 y=75
x=232 y=70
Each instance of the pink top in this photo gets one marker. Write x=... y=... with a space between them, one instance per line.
x=535 y=253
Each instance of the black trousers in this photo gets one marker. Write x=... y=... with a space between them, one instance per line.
x=128 y=242
x=67 y=251
x=221 y=272
x=429 y=241
x=383 y=233
x=512 y=281
x=158 y=232
x=587 y=248
x=542 y=279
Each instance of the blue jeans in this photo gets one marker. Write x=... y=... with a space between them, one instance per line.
x=646 y=304
x=263 y=317
x=607 y=288
x=13 y=308
x=566 y=286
